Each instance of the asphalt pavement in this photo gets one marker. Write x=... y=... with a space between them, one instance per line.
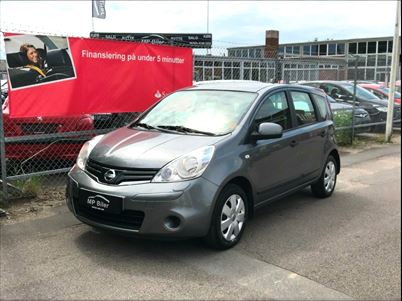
x=344 y=247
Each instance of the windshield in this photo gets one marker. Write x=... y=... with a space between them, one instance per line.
x=386 y=91
x=360 y=92
x=202 y=111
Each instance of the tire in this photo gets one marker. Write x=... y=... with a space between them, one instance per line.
x=325 y=186
x=228 y=224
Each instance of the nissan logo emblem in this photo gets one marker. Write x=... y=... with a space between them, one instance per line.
x=110 y=175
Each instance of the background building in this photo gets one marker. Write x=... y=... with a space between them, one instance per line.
x=373 y=55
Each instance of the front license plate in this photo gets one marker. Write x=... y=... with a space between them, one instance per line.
x=100 y=202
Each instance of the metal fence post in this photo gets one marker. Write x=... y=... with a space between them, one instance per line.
x=3 y=159
x=354 y=102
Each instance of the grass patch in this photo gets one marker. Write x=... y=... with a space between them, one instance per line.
x=31 y=187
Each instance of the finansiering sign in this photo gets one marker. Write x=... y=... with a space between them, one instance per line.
x=74 y=76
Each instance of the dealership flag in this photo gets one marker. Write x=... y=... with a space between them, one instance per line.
x=98 y=9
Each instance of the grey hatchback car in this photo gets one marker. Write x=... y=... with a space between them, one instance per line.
x=201 y=160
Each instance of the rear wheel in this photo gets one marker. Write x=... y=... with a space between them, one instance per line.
x=229 y=218
x=325 y=186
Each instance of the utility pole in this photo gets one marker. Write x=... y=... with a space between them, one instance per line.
x=394 y=71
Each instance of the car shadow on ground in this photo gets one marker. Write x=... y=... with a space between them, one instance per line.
x=267 y=227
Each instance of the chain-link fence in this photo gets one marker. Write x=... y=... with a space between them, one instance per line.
x=39 y=151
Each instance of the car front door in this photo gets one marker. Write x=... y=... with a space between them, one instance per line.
x=271 y=161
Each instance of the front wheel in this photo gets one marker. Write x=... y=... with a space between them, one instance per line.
x=325 y=186
x=229 y=218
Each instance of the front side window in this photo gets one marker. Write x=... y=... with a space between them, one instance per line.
x=211 y=111
x=275 y=109
x=305 y=113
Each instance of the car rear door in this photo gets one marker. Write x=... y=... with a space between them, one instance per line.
x=311 y=132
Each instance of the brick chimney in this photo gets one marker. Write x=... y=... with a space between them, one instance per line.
x=271 y=43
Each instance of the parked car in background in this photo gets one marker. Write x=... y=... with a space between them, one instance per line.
x=113 y=120
x=361 y=116
x=381 y=92
x=343 y=92
x=203 y=159
x=52 y=148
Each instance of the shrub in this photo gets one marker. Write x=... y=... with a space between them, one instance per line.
x=343 y=119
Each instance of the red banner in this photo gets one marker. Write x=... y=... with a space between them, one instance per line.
x=83 y=76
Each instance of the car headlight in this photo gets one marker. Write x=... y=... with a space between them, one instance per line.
x=382 y=108
x=186 y=167
x=86 y=150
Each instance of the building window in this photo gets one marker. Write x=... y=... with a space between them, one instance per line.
x=244 y=53
x=371 y=60
x=340 y=49
x=381 y=60
x=296 y=49
x=281 y=49
x=362 y=48
x=306 y=50
x=258 y=53
x=352 y=48
x=382 y=47
x=252 y=52
x=390 y=43
x=369 y=74
x=227 y=72
x=246 y=74
x=289 y=49
x=372 y=47
x=323 y=49
x=331 y=49
x=314 y=49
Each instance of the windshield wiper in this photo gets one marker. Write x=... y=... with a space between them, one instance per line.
x=150 y=127
x=183 y=129
x=144 y=125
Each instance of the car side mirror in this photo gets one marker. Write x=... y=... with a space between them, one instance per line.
x=267 y=130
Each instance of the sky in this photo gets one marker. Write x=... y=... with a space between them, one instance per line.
x=232 y=23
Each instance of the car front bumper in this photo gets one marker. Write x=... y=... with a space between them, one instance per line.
x=181 y=209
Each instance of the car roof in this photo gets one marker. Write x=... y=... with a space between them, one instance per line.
x=246 y=86
x=232 y=85
x=374 y=86
x=326 y=82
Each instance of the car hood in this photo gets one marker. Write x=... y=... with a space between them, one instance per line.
x=132 y=148
x=346 y=107
x=374 y=101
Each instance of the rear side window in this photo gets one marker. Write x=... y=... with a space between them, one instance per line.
x=322 y=105
x=275 y=109
x=305 y=113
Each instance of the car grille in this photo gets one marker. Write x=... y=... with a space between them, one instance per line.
x=35 y=128
x=127 y=219
x=122 y=175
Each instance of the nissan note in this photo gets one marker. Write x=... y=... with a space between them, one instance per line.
x=201 y=160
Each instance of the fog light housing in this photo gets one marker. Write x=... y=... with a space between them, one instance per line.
x=172 y=222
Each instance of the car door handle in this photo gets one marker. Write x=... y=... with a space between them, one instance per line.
x=293 y=143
